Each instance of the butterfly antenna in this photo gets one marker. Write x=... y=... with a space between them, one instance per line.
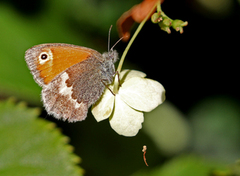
x=109 y=34
x=116 y=43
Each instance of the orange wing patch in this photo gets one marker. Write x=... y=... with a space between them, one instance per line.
x=63 y=58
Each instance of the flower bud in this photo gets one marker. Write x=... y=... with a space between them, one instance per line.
x=178 y=25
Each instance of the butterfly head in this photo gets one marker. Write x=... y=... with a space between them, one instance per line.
x=111 y=56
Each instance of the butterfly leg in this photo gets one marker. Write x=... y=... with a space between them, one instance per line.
x=107 y=87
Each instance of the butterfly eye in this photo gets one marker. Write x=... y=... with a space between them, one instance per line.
x=44 y=56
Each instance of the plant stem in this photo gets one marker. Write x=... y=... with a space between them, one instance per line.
x=116 y=81
x=134 y=37
x=159 y=9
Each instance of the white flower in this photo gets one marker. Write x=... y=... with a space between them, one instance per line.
x=125 y=110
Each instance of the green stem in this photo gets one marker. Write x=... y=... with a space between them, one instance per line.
x=116 y=81
x=159 y=9
x=134 y=37
x=129 y=45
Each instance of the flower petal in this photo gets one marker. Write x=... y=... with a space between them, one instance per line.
x=127 y=74
x=125 y=120
x=142 y=94
x=103 y=108
x=140 y=11
x=124 y=25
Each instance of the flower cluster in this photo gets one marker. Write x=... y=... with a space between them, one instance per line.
x=165 y=22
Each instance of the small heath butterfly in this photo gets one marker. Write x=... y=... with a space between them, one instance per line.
x=72 y=77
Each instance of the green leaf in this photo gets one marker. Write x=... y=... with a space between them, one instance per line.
x=32 y=146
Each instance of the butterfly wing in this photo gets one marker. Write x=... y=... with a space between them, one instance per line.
x=69 y=95
x=70 y=77
x=46 y=61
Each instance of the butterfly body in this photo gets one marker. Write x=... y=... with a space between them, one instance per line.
x=72 y=77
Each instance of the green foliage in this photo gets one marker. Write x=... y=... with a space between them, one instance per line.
x=32 y=146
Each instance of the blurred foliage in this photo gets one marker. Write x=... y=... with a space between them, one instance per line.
x=168 y=128
x=207 y=129
x=216 y=122
x=214 y=8
x=185 y=165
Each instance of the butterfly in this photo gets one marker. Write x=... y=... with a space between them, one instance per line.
x=72 y=77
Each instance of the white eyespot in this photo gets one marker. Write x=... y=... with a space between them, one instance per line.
x=45 y=56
